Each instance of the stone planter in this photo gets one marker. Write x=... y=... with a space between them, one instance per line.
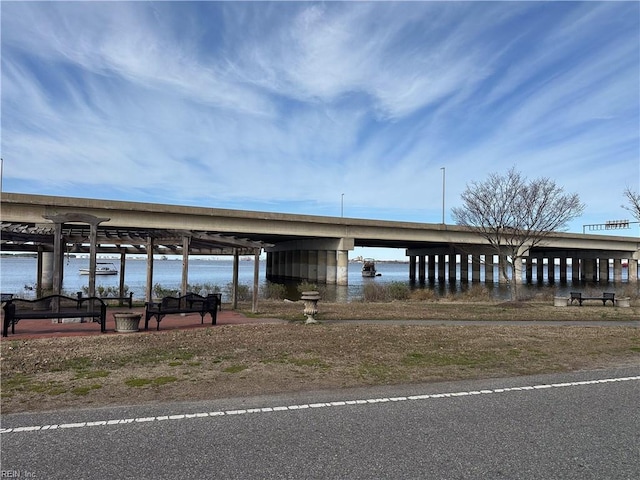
x=623 y=302
x=127 y=322
x=560 y=301
x=310 y=300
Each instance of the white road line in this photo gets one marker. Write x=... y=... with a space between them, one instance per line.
x=370 y=401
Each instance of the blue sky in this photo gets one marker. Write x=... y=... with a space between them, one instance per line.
x=320 y=108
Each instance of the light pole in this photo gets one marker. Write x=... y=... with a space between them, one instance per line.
x=442 y=168
x=342 y=206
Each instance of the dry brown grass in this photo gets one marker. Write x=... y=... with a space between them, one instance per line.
x=243 y=360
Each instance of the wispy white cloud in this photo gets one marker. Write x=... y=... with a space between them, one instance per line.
x=286 y=106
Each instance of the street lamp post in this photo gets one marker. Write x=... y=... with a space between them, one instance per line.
x=442 y=168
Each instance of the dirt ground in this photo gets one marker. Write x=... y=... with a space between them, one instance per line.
x=240 y=360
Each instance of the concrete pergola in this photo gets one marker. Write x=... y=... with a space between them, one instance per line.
x=83 y=233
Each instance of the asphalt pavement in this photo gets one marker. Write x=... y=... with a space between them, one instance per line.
x=579 y=425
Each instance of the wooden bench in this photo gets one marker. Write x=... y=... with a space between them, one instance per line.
x=128 y=299
x=189 y=303
x=53 y=306
x=577 y=296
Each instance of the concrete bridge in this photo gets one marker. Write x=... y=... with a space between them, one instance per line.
x=313 y=248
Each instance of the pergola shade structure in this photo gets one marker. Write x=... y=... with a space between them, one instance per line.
x=87 y=234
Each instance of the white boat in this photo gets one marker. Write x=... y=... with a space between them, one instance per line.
x=369 y=267
x=102 y=268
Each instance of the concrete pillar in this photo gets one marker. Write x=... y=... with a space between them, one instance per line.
x=304 y=264
x=528 y=269
x=617 y=270
x=551 y=269
x=312 y=265
x=575 y=269
x=488 y=268
x=464 y=268
x=539 y=269
x=632 y=268
x=288 y=264
x=421 y=268
x=563 y=269
x=322 y=266
x=294 y=265
x=412 y=268
x=269 y=265
x=590 y=269
x=47 y=271
x=343 y=267
x=603 y=268
x=431 y=268
x=441 y=268
x=475 y=268
x=452 y=267
x=331 y=267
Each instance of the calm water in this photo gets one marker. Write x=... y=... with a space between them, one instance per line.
x=18 y=276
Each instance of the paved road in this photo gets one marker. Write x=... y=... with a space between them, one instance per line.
x=583 y=425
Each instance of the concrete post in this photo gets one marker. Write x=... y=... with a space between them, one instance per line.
x=539 y=269
x=313 y=266
x=464 y=268
x=269 y=265
x=475 y=268
x=563 y=269
x=617 y=270
x=603 y=267
x=529 y=269
x=47 y=271
x=304 y=264
x=488 y=268
x=590 y=270
x=322 y=266
x=295 y=265
x=421 y=268
x=551 y=269
x=441 y=268
x=412 y=268
x=331 y=267
x=432 y=268
x=575 y=269
x=452 y=267
x=632 y=268
x=343 y=267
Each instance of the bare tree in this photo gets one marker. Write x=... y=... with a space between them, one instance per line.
x=514 y=214
x=633 y=199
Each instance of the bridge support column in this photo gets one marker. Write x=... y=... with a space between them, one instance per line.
x=312 y=265
x=452 y=267
x=431 y=268
x=343 y=267
x=331 y=267
x=488 y=268
x=421 y=268
x=464 y=268
x=603 y=267
x=632 y=268
x=475 y=268
x=529 y=269
x=441 y=268
x=563 y=269
x=295 y=264
x=575 y=269
x=412 y=268
x=539 y=269
x=617 y=270
x=590 y=269
x=322 y=266
x=304 y=265
x=551 y=269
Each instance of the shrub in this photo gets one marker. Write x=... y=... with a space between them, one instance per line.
x=203 y=289
x=244 y=292
x=375 y=292
x=398 y=291
x=160 y=292
x=275 y=291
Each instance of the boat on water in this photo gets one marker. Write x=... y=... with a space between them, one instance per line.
x=369 y=268
x=102 y=268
